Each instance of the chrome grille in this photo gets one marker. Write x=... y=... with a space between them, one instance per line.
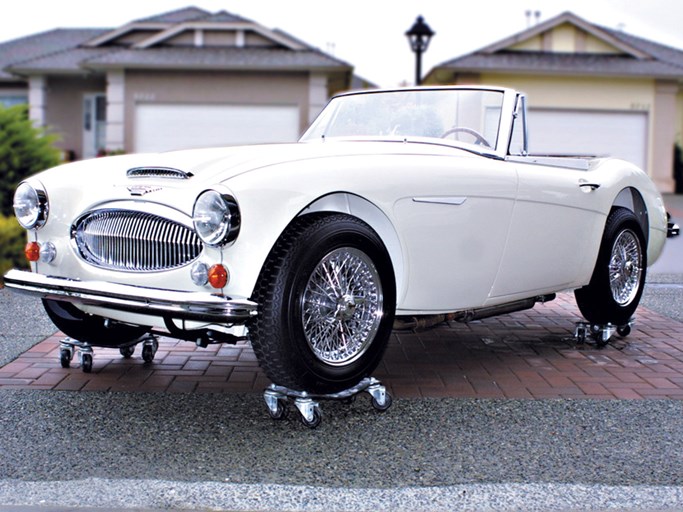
x=158 y=172
x=135 y=241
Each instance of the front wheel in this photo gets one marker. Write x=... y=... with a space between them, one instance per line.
x=326 y=300
x=616 y=286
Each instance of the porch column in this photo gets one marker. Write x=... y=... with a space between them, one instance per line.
x=115 y=137
x=37 y=101
x=664 y=135
x=317 y=95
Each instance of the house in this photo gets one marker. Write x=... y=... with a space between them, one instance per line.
x=186 y=78
x=592 y=90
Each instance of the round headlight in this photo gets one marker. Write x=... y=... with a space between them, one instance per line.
x=30 y=205
x=216 y=218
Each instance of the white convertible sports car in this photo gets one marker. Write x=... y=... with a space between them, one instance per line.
x=396 y=208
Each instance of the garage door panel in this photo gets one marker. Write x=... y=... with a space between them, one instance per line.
x=164 y=127
x=600 y=133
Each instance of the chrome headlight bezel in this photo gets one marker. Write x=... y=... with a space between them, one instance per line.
x=31 y=205
x=216 y=218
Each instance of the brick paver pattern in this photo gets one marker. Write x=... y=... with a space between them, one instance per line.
x=530 y=354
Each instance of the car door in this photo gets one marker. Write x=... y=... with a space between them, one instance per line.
x=454 y=225
x=555 y=229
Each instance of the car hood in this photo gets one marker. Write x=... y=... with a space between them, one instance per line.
x=102 y=180
x=220 y=164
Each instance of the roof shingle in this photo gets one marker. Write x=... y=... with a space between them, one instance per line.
x=42 y=45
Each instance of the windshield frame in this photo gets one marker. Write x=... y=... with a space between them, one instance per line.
x=500 y=150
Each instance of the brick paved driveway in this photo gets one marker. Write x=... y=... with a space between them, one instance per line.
x=530 y=354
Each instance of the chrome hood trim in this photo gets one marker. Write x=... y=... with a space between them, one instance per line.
x=200 y=306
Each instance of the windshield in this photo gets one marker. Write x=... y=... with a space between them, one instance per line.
x=470 y=116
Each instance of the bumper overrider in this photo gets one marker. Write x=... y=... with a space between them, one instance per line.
x=199 y=306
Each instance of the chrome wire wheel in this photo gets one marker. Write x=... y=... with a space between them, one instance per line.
x=625 y=267
x=342 y=306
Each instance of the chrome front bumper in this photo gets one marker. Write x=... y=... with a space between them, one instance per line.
x=200 y=306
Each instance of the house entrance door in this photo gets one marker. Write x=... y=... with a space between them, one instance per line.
x=94 y=124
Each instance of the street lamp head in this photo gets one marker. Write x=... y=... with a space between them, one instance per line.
x=419 y=35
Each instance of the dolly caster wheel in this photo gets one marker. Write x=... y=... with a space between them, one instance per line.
x=149 y=349
x=86 y=362
x=580 y=334
x=381 y=407
x=127 y=352
x=315 y=419
x=624 y=330
x=66 y=354
x=279 y=412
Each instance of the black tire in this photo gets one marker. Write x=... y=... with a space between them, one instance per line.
x=622 y=259
x=289 y=348
x=89 y=328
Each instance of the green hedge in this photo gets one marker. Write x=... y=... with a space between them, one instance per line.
x=12 y=242
x=24 y=150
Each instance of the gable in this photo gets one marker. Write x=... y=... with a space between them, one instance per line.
x=566 y=33
x=212 y=36
x=565 y=38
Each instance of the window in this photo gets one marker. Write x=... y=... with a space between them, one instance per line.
x=10 y=100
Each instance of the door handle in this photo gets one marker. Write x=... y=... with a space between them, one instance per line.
x=589 y=187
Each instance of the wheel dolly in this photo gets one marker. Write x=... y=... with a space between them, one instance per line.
x=601 y=333
x=277 y=397
x=69 y=346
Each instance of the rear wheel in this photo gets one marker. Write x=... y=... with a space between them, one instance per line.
x=90 y=328
x=616 y=286
x=326 y=300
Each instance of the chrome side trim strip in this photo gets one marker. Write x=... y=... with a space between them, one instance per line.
x=453 y=200
x=201 y=306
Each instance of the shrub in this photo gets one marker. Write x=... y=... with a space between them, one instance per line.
x=12 y=242
x=24 y=150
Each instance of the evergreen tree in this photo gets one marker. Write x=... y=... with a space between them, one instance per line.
x=24 y=150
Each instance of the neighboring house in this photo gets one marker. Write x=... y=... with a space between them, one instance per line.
x=592 y=90
x=187 y=78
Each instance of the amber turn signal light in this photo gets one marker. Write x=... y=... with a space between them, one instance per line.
x=218 y=276
x=32 y=251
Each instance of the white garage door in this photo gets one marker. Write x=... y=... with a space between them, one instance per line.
x=163 y=127
x=571 y=132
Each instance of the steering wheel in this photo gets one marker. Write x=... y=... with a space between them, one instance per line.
x=479 y=138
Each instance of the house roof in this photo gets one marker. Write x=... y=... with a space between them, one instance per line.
x=176 y=16
x=620 y=54
x=171 y=40
x=213 y=58
x=43 y=44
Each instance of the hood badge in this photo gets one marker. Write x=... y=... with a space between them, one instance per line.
x=141 y=190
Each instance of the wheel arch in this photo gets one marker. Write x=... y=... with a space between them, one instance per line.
x=373 y=216
x=631 y=199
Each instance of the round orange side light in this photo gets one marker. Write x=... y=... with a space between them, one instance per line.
x=32 y=251
x=218 y=276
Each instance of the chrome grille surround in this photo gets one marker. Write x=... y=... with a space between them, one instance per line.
x=134 y=241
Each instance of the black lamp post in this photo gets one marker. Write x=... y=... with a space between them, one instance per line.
x=419 y=36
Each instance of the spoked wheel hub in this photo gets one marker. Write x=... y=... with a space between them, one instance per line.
x=342 y=306
x=625 y=267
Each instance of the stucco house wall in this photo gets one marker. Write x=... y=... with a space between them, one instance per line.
x=64 y=107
